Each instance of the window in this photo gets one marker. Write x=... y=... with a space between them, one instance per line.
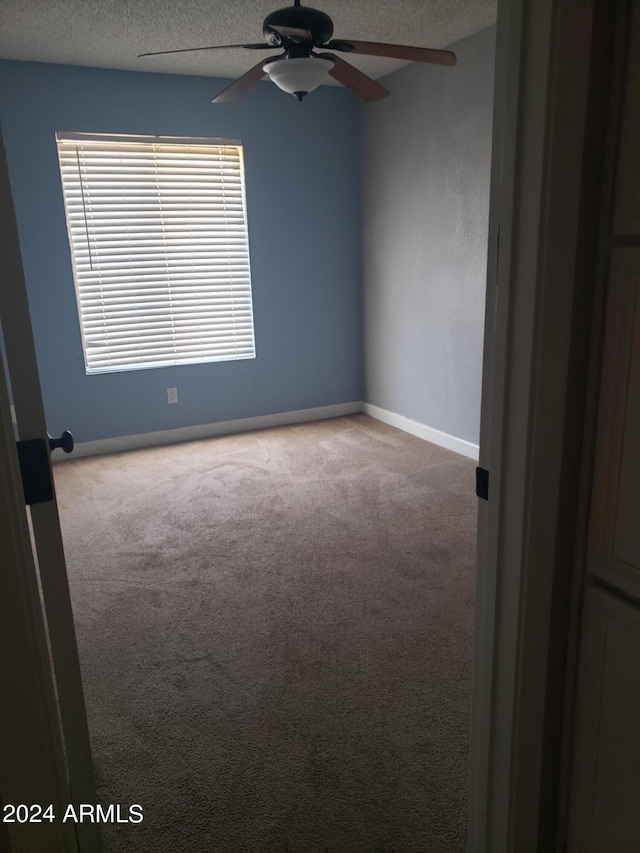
x=159 y=245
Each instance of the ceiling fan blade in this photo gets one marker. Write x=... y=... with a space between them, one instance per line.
x=292 y=33
x=260 y=46
x=364 y=87
x=394 y=51
x=239 y=86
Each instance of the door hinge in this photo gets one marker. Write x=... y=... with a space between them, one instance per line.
x=35 y=469
x=482 y=483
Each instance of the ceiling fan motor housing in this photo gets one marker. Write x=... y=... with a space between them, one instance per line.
x=318 y=23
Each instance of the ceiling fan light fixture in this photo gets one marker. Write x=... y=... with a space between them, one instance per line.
x=301 y=75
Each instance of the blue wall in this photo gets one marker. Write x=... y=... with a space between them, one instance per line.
x=302 y=179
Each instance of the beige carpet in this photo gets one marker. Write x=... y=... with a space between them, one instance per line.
x=275 y=633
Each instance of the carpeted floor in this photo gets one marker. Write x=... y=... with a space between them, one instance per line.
x=275 y=633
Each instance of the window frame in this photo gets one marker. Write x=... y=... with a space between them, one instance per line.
x=172 y=359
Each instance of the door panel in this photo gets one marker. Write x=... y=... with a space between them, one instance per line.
x=614 y=536
x=29 y=408
x=604 y=805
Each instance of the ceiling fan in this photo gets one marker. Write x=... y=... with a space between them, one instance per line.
x=305 y=35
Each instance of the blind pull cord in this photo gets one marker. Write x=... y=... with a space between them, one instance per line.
x=84 y=210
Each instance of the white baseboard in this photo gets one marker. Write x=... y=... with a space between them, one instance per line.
x=435 y=436
x=194 y=433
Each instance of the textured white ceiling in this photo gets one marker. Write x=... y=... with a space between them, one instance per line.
x=111 y=33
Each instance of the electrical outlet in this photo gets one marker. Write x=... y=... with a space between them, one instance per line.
x=172 y=395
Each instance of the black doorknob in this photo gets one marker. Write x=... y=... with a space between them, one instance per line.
x=65 y=442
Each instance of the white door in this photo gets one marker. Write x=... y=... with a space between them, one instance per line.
x=48 y=550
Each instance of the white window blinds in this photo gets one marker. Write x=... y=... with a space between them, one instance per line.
x=159 y=243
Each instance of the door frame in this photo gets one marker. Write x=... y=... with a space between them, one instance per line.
x=553 y=68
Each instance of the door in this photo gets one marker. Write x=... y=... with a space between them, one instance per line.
x=605 y=779
x=32 y=768
x=47 y=541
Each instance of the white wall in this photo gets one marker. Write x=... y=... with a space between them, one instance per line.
x=426 y=166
